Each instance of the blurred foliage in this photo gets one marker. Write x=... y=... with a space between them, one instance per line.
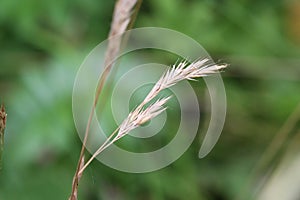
x=44 y=42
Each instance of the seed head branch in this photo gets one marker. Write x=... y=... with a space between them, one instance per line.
x=140 y=115
x=183 y=71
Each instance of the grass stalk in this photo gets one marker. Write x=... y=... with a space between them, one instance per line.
x=3 y=116
x=119 y=25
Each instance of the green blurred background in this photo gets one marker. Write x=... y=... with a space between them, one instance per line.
x=44 y=42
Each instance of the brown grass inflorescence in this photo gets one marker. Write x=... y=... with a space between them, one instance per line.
x=142 y=113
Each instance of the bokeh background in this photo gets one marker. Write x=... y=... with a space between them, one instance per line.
x=257 y=157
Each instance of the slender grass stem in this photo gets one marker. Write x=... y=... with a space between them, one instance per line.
x=2 y=129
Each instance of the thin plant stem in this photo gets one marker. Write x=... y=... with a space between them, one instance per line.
x=3 y=116
x=103 y=101
x=99 y=150
x=81 y=159
x=279 y=139
x=108 y=59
